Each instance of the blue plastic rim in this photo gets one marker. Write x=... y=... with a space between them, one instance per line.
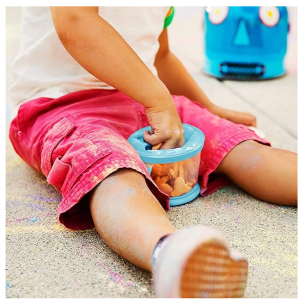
x=194 y=142
x=188 y=197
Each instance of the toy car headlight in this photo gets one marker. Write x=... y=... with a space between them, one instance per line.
x=269 y=15
x=217 y=14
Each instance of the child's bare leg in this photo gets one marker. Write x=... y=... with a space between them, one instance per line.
x=131 y=221
x=128 y=217
x=266 y=173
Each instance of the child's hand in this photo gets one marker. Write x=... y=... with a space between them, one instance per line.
x=166 y=127
x=234 y=116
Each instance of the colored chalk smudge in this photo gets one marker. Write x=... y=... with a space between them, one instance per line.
x=46 y=199
x=32 y=220
x=29 y=219
x=114 y=276
x=32 y=205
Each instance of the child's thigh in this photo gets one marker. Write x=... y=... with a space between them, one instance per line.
x=76 y=155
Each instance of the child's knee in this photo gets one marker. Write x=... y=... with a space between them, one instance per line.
x=247 y=155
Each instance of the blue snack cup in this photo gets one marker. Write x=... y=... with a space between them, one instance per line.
x=175 y=171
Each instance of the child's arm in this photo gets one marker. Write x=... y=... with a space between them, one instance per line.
x=101 y=50
x=179 y=82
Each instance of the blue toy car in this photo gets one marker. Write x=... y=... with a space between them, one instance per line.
x=245 y=43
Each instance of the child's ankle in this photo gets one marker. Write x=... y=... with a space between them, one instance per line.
x=157 y=249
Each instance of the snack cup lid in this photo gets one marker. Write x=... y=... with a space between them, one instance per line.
x=194 y=142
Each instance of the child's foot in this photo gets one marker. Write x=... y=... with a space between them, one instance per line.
x=196 y=263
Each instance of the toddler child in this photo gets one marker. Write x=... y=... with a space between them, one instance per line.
x=86 y=78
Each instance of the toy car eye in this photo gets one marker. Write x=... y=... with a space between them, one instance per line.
x=217 y=14
x=269 y=15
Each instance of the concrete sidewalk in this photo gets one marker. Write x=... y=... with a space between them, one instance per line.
x=44 y=259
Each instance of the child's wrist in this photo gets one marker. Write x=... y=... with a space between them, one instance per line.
x=160 y=100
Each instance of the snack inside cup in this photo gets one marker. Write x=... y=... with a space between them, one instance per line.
x=177 y=178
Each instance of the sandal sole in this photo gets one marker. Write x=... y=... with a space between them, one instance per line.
x=210 y=272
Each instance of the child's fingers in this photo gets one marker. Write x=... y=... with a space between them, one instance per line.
x=166 y=142
x=241 y=117
x=234 y=116
x=152 y=139
x=249 y=118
